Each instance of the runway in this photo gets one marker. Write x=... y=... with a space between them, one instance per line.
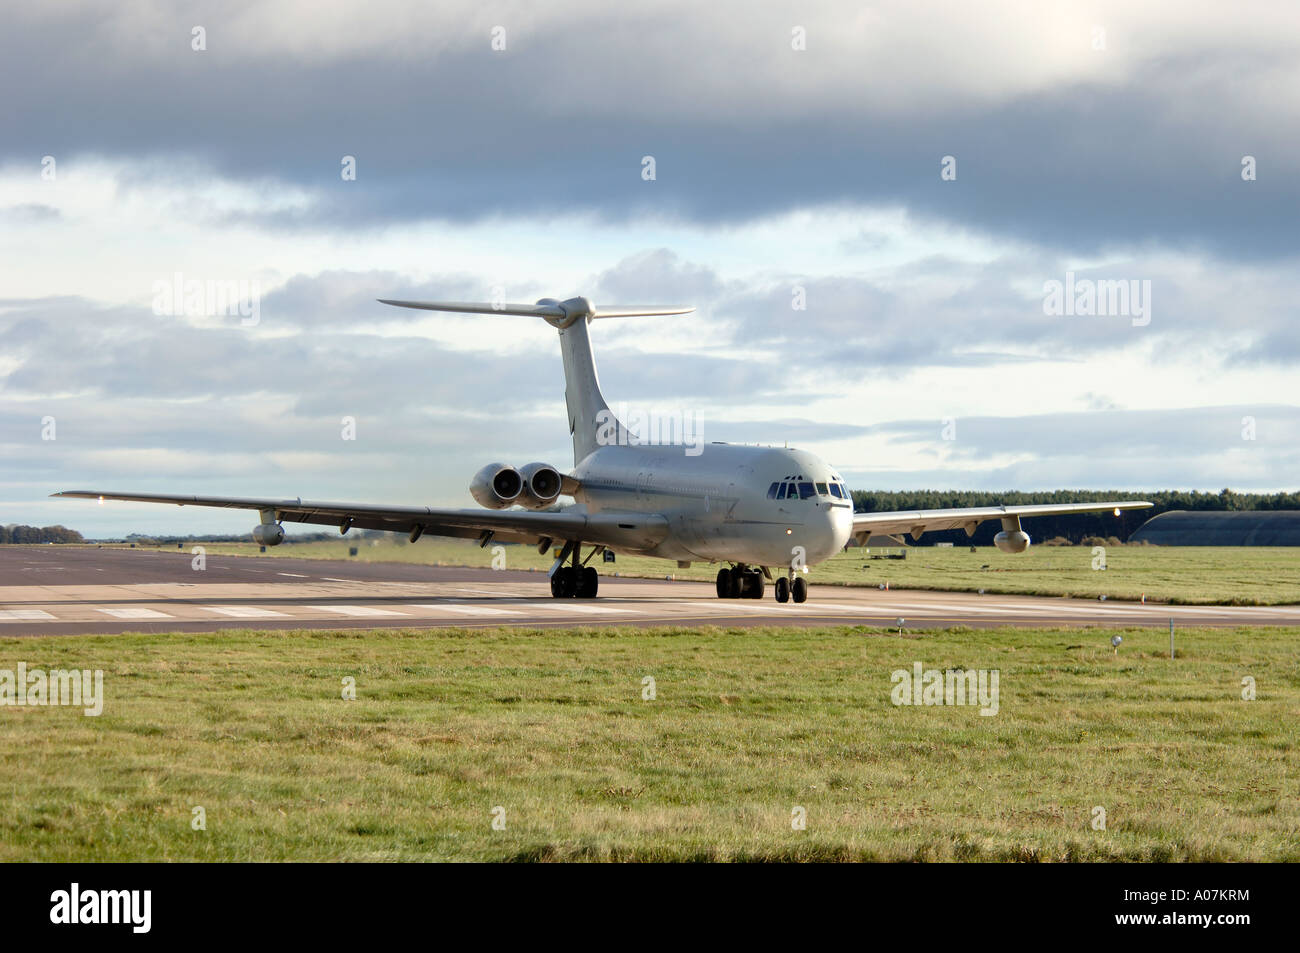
x=56 y=590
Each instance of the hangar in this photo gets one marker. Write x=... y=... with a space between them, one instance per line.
x=1221 y=528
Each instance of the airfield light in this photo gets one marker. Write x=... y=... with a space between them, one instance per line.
x=1115 y=640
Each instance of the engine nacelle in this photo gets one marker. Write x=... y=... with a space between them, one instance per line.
x=541 y=485
x=1014 y=542
x=268 y=534
x=496 y=486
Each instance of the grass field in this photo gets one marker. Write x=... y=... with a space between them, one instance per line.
x=747 y=725
x=1190 y=575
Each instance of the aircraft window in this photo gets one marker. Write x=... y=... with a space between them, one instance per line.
x=771 y=491
x=790 y=492
x=822 y=491
x=806 y=491
x=835 y=491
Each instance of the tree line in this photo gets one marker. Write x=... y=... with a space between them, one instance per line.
x=15 y=533
x=1074 y=528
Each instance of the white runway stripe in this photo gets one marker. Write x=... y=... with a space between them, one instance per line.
x=360 y=612
x=563 y=605
x=133 y=613
x=24 y=615
x=244 y=612
x=467 y=610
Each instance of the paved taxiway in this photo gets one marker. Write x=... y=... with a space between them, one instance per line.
x=55 y=590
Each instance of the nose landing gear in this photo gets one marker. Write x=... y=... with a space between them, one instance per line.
x=799 y=589
x=795 y=588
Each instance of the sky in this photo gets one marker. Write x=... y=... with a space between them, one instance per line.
x=869 y=204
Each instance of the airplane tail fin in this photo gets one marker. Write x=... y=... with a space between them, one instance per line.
x=590 y=420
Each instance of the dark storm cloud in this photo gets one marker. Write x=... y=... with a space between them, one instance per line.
x=462 y=134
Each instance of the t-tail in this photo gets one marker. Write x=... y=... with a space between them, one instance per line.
x=591 y=421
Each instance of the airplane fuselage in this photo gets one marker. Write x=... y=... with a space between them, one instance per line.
x=722 y=504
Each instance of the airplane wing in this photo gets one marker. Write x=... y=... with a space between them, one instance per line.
x=916 y=522
x=623 y=531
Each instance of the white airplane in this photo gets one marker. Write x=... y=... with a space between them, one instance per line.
x=767 y=512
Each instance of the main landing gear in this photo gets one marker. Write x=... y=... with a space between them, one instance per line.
x=742 y=582
x=577 y=580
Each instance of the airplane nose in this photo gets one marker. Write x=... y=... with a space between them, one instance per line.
x=832 y=531
x=841 y=527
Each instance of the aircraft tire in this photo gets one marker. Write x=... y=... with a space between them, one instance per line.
x=782 y=589
x=562 y=586
x=799 y=589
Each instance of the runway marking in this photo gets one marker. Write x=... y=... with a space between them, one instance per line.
x=134 y=613
x=245 y=612
x=24 y=615
x=591 y=610
x=467 y=610
x=729 y=604
x=332 y=579
x=358 y=611
x=295 y=575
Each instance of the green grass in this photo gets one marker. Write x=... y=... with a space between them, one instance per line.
x=1192 y=575
x=748 y=724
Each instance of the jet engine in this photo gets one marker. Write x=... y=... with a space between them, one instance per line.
x=541 y=486
x=268 y=534
x=1016 y=541
x=497 y=486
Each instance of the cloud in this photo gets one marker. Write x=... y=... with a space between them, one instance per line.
x=1057 y=143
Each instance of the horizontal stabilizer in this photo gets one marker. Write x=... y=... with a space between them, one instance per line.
x=559 y=313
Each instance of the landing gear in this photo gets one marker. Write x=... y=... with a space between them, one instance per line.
x=799 y=589
x=740 y=583
x=782 y=589
x=575 y=581
x=562 y=586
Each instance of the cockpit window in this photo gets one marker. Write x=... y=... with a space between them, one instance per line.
x=806 y=491
x=771 y=491
x=835 y=491
x=822 y=491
